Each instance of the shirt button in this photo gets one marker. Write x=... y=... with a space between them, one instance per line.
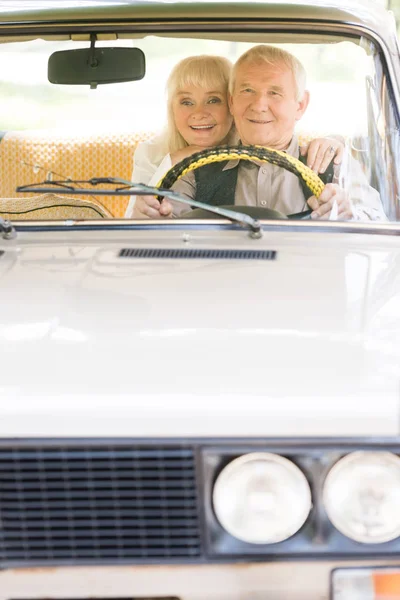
x=263 y=202
x=263 y=171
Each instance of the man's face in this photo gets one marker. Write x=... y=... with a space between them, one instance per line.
x=264 y=104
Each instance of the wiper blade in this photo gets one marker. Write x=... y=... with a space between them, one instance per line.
x=128 y=188
x=7 y=229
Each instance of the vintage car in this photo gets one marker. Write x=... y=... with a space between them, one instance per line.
x=195 y=408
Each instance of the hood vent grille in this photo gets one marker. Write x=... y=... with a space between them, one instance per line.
x=197 y=253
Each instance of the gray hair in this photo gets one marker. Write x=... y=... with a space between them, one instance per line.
x=272 y=56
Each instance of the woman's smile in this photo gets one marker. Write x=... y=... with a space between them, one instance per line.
x=202 y=127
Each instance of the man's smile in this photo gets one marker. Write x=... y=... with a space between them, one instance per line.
x=260 y=121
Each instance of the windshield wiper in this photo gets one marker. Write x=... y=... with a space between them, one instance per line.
x=7 y=229
x=129 y=188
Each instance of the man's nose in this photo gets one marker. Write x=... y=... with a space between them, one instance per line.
x=260 y=102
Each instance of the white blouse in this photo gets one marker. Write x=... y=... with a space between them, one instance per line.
x=150 y=164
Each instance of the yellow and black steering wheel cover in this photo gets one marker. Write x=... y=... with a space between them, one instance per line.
x=252 y=153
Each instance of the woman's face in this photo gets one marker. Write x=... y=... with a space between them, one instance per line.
x=202 y=116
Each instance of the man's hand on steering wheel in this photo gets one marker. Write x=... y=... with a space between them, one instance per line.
x=148 y=207
x=323 y=205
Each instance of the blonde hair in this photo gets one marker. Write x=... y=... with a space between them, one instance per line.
x=203 y=71
x=272 y=56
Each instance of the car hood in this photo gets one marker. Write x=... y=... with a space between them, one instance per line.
x=92 y=343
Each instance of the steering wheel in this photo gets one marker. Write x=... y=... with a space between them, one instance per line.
x=252 y=153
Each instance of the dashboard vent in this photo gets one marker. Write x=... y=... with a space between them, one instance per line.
x=88 y=503
x=197 y=253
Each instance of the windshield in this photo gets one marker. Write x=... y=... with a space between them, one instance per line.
x=138 y=131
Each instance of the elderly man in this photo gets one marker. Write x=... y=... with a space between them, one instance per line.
x=267 y=97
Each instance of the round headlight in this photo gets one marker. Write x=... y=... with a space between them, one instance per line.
x=261 y=498
x=362 y=496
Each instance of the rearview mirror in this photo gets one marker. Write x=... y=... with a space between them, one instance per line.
x=94 y=66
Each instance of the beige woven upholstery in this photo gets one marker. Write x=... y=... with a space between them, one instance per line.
x=51 y=206
x=28 y=156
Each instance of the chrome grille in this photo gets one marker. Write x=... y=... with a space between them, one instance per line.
x=97 y=503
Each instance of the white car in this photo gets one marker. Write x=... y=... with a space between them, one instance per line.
x=194 y=408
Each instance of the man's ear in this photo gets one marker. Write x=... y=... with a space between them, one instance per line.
x=303 y=103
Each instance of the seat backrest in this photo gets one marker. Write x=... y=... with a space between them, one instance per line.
x=33 y=156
